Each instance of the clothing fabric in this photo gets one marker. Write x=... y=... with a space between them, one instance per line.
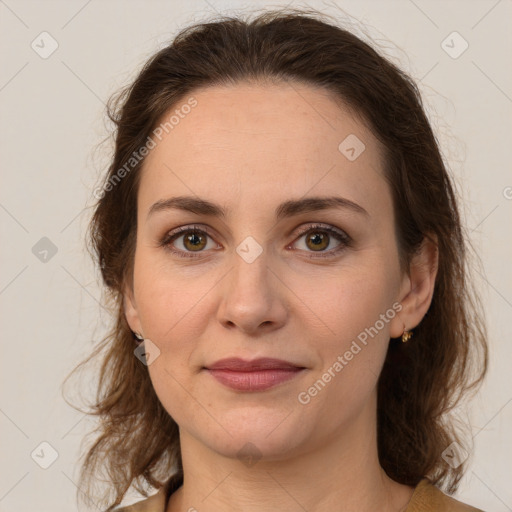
x=426 y=498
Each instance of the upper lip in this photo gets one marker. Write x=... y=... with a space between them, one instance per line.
x=241 y=365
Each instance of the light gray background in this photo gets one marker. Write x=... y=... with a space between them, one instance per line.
x=51 y=122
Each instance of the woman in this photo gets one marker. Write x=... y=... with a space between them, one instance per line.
x=282 y=246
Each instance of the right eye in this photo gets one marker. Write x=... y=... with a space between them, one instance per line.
x=192 y=239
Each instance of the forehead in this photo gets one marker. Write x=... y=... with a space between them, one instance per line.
x=299 y=117
x=263 y=139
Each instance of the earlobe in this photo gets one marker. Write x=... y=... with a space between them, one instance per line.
x=419 y=286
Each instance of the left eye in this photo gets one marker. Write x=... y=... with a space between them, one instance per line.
x=318 y=239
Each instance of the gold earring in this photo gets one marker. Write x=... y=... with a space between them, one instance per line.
x=406 y=335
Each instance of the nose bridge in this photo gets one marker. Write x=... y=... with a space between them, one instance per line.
x=251 y=297
x=250 y=275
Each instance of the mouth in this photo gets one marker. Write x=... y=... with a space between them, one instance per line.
x=257 y=375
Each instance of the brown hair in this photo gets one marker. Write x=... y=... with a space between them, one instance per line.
x=421 y=380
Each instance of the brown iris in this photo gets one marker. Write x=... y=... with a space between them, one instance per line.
x=319 y=240
x=196 y=240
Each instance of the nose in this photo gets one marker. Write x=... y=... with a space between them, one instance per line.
x=253 y=297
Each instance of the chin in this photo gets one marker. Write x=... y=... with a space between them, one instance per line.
x=257 y=432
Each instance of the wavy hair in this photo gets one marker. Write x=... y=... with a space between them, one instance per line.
x=137 y=442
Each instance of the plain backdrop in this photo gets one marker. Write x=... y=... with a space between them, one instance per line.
x=52 y=121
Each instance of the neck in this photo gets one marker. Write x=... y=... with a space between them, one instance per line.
x=342 y=475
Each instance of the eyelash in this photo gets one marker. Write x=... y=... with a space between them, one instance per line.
x=342 y=237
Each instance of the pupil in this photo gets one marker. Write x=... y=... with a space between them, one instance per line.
x=317 y=239
x=194 y=239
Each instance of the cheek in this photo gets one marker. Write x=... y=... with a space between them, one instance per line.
x=172 y=309
x=171 y=302
x=357 y=308
x=353 y=352
x=351 y=300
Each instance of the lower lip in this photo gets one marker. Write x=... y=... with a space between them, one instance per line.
x=258 y=380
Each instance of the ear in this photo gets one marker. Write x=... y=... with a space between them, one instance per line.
x=417 y=288
x=130 y=309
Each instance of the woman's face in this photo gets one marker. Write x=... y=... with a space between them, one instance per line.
x=267 y=279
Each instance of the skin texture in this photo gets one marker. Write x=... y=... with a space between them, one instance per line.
x=249 y=148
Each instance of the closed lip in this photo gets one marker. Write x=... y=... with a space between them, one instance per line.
x=236 y=364
x=256 y=375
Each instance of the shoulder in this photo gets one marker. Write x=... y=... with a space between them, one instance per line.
x=427 y=497
x=155 y=503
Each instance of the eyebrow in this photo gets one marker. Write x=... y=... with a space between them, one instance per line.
x=287 y=209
